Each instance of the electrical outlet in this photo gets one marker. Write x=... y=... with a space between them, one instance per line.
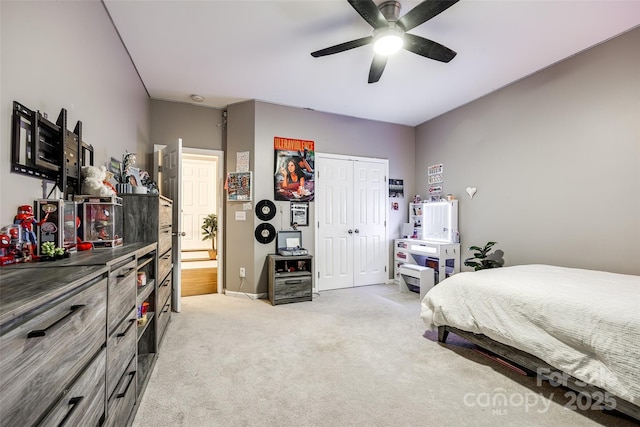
x=242 y=272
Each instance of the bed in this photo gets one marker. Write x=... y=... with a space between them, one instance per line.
x=580 y=328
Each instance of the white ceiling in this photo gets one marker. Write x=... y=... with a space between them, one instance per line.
x=231 y=51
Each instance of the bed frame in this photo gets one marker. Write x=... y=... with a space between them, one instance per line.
x=533 y=366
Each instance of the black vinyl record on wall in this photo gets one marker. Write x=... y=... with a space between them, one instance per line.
x=265 y=210
x=265 y=233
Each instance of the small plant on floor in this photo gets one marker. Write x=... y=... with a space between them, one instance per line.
x=210 y=231
x=481 y=259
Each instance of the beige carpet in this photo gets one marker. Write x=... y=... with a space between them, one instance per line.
x=354 y=357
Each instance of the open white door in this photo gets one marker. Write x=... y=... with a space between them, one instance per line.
x=170 y=185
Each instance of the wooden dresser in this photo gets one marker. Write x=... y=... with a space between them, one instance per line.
x=53 y=345
x=70 y=338
x=157 y=214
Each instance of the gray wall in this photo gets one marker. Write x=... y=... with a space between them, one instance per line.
x=332 y=134
x=556 y=161
x=66 y=54
x=198 y=126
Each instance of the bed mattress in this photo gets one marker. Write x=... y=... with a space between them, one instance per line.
x=583 y=322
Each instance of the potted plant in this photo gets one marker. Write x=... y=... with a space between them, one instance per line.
x=210 y=231
x=482 y=259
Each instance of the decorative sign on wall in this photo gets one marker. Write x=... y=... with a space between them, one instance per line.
x=294 y=169
x=242 y=161
x=435 y=169
x=435 y=180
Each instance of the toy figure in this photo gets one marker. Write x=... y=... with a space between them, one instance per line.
x=26 y=220
x=6 y=257
x=9 y=244
x=101 y=221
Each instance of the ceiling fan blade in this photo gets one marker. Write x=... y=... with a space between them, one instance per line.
x=427 y=48
x=377 y=67
x=342 y=47
x=369 y=11
x=423 y=12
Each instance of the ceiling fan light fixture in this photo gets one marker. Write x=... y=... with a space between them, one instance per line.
x=388 y=42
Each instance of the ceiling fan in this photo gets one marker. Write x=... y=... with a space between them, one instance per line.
x=390 y=32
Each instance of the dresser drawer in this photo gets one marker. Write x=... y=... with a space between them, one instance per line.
x=121 y=347
x=83 y=404
x=164 y=315
x=122 y=400
x=41 y=356
x=164 y=239
x=122 y=292
x=164 y=289
x=165 y=212
x=165 y=262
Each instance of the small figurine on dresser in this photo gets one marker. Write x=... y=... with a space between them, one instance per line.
x=7 y=255
x=26 y=221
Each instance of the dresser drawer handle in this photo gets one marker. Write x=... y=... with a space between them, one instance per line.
x=123 y=275
x=42 y=332
x=75 y=403
x=132 y=375
x=131 y=323
x=292 y=282
x=168 y=256
x=165 y=283
x=166 y=308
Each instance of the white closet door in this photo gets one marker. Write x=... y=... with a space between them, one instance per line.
x=352 y=247
x=335 y=219
x=370 y=245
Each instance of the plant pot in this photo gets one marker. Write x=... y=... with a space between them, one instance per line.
x=213 y=254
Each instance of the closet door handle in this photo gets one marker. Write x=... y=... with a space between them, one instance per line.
x=350 y=231
x=357 y=231
x=42 y=332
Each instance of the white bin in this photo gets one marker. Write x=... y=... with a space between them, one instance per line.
x=416 y=275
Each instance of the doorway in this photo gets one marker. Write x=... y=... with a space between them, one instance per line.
x=352 y=241
x=200 y=199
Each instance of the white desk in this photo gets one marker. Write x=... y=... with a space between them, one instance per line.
x=444 y=258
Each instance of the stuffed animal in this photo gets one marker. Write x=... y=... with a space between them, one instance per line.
x=93 y=181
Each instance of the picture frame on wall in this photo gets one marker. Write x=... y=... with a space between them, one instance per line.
x=299 y=214
x=115 y=167
x=134 y=177
x=239 y=186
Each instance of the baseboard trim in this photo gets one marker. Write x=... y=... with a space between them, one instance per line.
x=244 y=295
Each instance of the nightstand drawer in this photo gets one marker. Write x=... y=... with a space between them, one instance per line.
x=292 y=287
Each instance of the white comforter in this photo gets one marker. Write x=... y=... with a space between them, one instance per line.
x=585 y=323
